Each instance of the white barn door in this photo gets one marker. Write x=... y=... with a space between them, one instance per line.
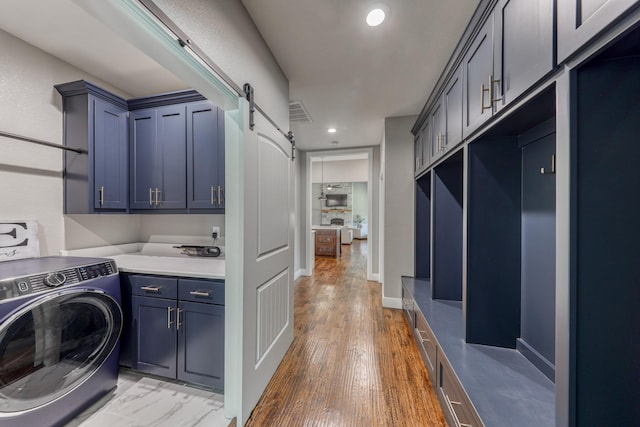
x=268 y=273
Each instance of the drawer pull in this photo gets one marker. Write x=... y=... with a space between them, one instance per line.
x=169 y=322
x=150 y=288
x=421 y=334
x=178 y=318
x=200 y=294
x=450 y=403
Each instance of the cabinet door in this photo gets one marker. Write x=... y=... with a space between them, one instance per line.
x=155 y=335
x=205 y=156
x=171 y=158
x=523 y=46
x=417 y=152
x=452 y=100
x=142 y=138
x=437 y=131
x=478 y=72
x=581 y=20
x=201 y=344
x=109 y=155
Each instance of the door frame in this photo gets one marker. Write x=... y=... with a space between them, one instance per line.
x=310 y=255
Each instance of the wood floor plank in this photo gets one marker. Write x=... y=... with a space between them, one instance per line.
x=352 y=362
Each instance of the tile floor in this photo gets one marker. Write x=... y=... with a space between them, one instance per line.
x=140 y=401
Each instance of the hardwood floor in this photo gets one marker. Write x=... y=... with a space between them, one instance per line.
x=352 y=362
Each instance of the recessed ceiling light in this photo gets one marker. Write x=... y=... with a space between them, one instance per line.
x=331 y=130
x=375 y=17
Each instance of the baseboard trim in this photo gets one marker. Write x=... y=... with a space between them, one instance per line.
x=297 y=274
x=538 y=360
x=388 y=302
x=374 y=277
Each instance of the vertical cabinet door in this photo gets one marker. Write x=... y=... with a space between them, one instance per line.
x=452 y=101
x=417 y=152
x=523 y=47
x=437 y=131
x=155 y=335
x=581 y=20
x=110 y=145
x=205 y=156
x=201 y=344
x=171 y=158
x=478 y=76
x=142 y=138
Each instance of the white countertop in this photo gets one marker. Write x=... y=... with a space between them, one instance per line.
x=156 y=258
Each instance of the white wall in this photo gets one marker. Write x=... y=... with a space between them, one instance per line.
x=224 y=30
x=340 y=171
x=398 y=200
x=31 y=175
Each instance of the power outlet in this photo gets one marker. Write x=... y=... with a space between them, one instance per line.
x=215 y=231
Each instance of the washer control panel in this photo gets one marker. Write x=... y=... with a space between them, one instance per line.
x=17 y=287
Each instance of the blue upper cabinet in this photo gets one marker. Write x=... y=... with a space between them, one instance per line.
x=511 y=52
x=158 y=158
x=523 y=47
x=579 y=21
x=205 y=156
x=142 y=129
x=171 y=158
x=96 y=121
x=110 y=155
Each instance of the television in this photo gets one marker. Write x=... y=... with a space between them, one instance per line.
x=336 y=200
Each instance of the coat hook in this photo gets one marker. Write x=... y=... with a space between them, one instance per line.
x=553 y=166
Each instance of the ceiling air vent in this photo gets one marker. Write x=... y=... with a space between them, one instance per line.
x=297 y=112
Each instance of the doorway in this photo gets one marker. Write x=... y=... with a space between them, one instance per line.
x=339 y=189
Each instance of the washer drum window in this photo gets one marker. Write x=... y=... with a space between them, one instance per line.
x=53 y=344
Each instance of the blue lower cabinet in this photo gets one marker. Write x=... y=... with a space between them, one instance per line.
x=201 y=344
x=156 y=335
x=175 y=328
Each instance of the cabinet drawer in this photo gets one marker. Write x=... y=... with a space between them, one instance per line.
x=325 y=250
x=457 y=408
x=426 y=343
x=407 y=306
x=207 y=291
x=154 y=286
x=326 y=239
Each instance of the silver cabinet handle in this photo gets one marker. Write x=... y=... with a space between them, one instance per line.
x=150 y=196
x=150 y=288
x=102 y=195
x=213 y=195
x=179 y=323
x=157 y=197
x=493 y=82
x=200 y=293
x=453 y=411
x=169 y=322
x=220 y=199
x=482 y=91
x=421 y=333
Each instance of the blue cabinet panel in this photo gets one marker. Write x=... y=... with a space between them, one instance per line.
x=142 y=137
x=205 y=156
x=201 y=344
x=155 y=335
x=158 y=158
x=110 y=155
x=171 y=158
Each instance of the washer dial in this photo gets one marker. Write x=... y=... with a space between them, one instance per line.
x=55 y=279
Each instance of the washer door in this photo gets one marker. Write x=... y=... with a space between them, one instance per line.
x=53 y=344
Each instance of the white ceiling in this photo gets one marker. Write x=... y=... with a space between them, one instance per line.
x=348 y=75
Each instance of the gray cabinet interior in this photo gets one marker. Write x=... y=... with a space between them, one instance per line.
x=422 y=264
